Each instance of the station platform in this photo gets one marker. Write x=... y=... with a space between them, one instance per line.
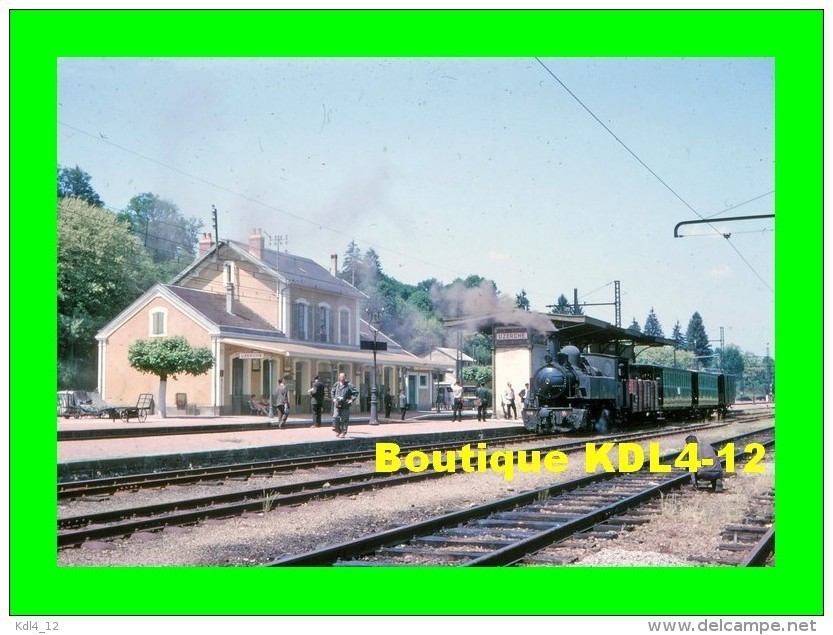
x=189 y=441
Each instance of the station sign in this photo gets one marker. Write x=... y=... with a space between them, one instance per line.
x=250 y=356
x=511 y=336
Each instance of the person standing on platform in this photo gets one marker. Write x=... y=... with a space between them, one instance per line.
x=343 y=394
x=388 y=403
x=481 y=401
x=280 y=401
x=457 y=401
x=316 y=393
x=509 y=400
x=403 y=403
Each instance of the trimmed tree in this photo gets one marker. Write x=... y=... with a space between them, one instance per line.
x=168 y=357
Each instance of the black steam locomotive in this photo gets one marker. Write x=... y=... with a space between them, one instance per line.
x=593 y=392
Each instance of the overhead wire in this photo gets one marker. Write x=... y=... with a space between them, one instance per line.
x=652 y=172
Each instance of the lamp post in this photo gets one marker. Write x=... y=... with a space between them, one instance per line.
x=373 y=318
x=269 y=396
x=374 y=411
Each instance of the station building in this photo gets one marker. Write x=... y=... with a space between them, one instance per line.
x=264 y=315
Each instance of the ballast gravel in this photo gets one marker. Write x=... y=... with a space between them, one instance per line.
x=686 y=524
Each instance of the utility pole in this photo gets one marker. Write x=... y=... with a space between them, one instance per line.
x=216 y=234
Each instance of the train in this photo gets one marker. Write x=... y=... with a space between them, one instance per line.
x=575 y=392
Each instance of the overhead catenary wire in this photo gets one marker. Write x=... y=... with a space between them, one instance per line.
x=652 y=172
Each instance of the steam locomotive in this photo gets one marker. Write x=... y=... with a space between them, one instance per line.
x=594 y=392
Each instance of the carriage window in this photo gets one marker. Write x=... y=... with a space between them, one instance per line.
x=158 y=322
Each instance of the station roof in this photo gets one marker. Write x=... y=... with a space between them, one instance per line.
x=601 y=336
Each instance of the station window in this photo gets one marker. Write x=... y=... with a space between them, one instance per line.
x=158 y=322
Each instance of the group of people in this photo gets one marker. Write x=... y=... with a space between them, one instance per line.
x=343 y=393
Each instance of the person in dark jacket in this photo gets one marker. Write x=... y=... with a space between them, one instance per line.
x=711 y=469
x=316 y=394
x=388 y=403
x=482 y=397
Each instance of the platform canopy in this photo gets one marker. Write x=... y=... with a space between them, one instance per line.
x=600 y=336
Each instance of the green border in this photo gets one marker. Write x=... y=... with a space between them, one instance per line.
x=39 y=37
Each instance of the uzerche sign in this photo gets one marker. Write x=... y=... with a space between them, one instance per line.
x=511 y=336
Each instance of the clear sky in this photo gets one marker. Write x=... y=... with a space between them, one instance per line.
x=544 y=175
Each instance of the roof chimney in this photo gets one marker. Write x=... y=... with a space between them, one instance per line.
x=334 y=264
x=206 y=243
x=256 y=244
x=229 y=291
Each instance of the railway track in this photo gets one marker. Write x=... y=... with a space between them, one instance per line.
x=525 y=529
x=74 y=531
x=91 y=488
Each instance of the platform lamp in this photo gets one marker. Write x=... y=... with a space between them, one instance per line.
x=269 y=396
x=373 y=320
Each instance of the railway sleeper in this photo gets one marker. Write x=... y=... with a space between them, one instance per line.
x=497 y=533
x=516 y=524
x=431 y=554
x=490 y=543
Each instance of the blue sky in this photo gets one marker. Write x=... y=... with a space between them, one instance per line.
x=503 y=167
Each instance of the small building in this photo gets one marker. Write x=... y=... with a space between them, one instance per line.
x=452 y=360
x=264 y=315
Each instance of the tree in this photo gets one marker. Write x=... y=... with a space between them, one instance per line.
x=677 y=335
x=477 y=374
x=350 y=268
x=652 y=325
x=169 y=237
x=74 y=182
x=562 y=306
x=168 y=357
x=522 y=301
x=101 y=269
x=666 y=356
x=733 y=361
x=635 y=326
x=696 y=339
x=372 y=266
x=479 y=347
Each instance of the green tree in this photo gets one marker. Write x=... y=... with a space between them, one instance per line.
x=478 y=346
x=168 y=357
x=733 y=361
x=666 y=356
x=652 y=325
x=371 y=267
x=522 y=301
x=101 y=269
x=696 y=339
x=74 y=182
x=562 y=306
x=476 y=374
x=677 y=335
x=169 y=237
x=351 y=266
x=635 y=326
